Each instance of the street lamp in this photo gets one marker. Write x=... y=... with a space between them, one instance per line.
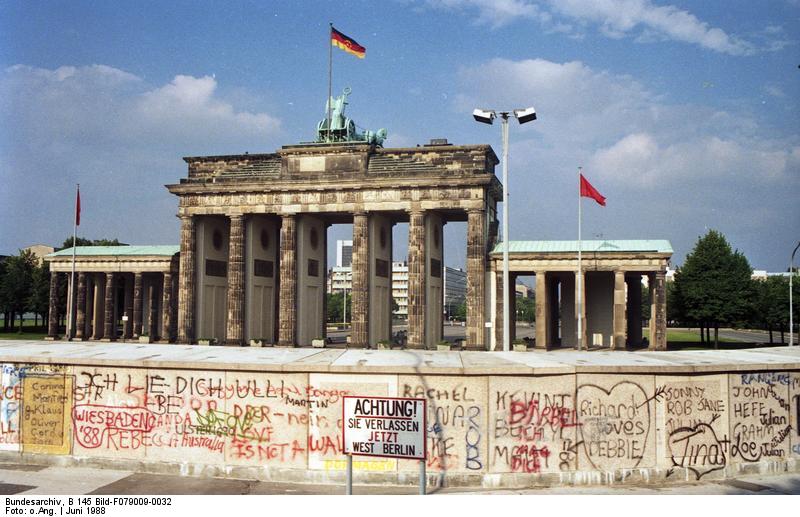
x=487 y=117
x=791 y=308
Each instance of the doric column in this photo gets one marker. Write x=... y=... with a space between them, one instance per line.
x=109 y=327
x=542 y=310
x=580 y=309
x=152 y=319
x=476 y=279
x=166 y=308
x=498 y=310
x=97 y=312
x=359 y=336
x=619 y=311
x=127 y=324
x=138 y=299
x=416 y=279
x=52 y=315
x=80 y=305
x=234 y=326
x=287 y=317
x=658 y=325
x=186 y=281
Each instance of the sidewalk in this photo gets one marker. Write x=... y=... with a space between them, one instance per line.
x=19 y=479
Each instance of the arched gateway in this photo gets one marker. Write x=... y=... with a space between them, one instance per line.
x=253 y=239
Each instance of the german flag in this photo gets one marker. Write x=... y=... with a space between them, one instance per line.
x=347 y=44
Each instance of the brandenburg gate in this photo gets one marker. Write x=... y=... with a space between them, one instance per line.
x=253 y=239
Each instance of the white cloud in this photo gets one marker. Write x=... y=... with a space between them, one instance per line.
x=642 y=19
x=118 y=136
x=494 y=12
x=639 y=159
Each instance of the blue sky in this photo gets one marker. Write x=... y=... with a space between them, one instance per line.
x=683 y=114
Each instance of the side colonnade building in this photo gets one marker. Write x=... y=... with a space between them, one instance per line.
x=252 y=260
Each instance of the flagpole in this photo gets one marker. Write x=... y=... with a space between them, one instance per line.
x=580 y=268
x=330 y=78
x=70 y=321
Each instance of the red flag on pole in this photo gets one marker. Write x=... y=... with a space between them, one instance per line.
x=587 y=190
x=78 y=208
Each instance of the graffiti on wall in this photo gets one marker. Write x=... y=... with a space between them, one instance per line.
x=696 y=424
x=760 y=425
x=46 y=403
x=616 y=424
x=456 y=421
x=527 y=425
x=534 y=425
x=10 y=400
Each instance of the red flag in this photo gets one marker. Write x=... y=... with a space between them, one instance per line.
x=587 y=190
x=78 y=208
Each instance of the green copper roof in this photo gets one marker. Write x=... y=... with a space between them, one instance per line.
x=96 y=251
x=653 y=246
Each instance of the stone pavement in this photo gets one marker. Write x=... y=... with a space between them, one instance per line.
x=18 y=479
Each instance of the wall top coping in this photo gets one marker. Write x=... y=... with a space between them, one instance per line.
x=397 y=361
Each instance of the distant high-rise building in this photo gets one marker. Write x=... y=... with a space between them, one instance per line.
x=344 y=253
x=455 y=289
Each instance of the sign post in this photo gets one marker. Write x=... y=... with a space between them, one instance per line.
x=387 y=427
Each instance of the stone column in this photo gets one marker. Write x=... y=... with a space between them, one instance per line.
x=476 y=279
x=109 y=325
x=658 y=319
x=52 y=315
x=234 y=326
x=498 y=310
x=138 y=300
x=359 y=337
x=287 y=304
x=634 y=281
x=152 y=320
x=127 y=325
x=416 y=279
x=98 y=300
x=166 y=308
x=580 y=309
x=512 y=309
x=619 y=311
x=542 y=311
x=80 y=306
x=186 y=281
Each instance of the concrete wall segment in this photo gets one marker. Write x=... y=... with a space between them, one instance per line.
x=220 y=411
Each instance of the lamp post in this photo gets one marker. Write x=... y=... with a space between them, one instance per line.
x=791 y=307
x=487 y=117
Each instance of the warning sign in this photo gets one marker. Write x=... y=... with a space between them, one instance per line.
x=384 y=426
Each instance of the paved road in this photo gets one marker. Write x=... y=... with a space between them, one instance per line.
x=19 y=479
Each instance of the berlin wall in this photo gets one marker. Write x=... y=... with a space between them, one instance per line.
x=485 y=430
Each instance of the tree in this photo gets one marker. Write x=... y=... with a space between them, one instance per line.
x=82 y=241
x=17 y=282
x=772 y=302
x=460 y=314
x=714 y=284
x=334 y=305
x=526 y=309
x=39 y=298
